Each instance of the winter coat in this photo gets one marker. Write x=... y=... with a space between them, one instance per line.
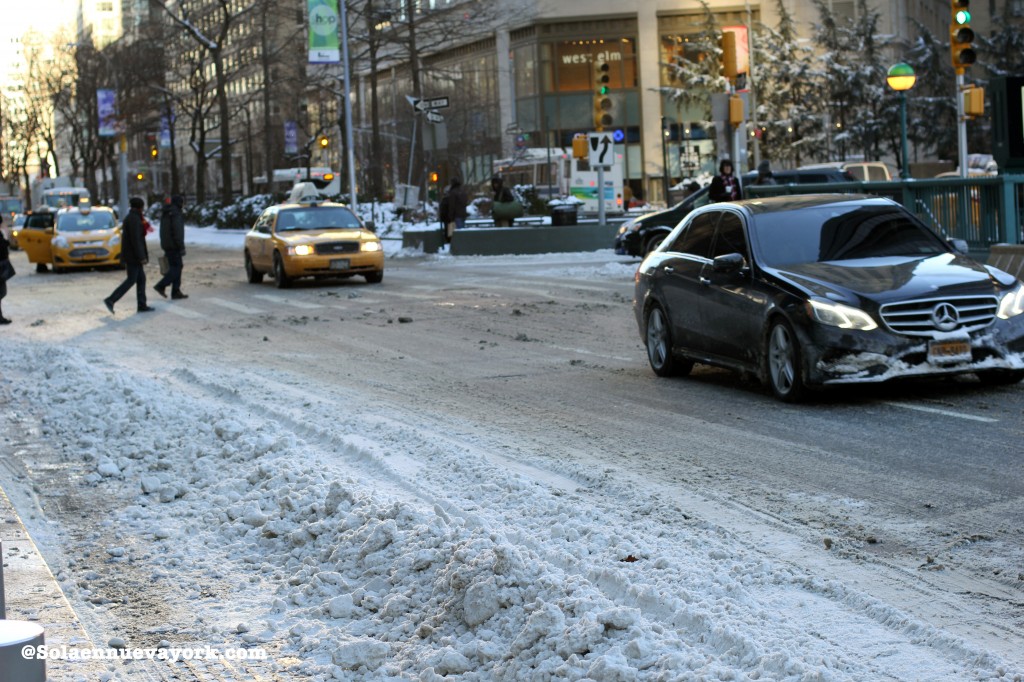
x=725 y=187
x=172 y=229
x=133 y=239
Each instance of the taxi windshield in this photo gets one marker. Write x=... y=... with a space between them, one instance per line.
x=316 y=218
x=82 y=222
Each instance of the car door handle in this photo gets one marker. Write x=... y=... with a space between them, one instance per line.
x=669 y=269
x=704 y=280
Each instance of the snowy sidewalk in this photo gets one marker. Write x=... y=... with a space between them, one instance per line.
x=33 y=594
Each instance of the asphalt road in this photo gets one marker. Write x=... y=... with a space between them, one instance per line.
x=918 y=486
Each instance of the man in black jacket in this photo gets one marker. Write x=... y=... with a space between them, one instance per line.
x=135 y=256
x=172 y=241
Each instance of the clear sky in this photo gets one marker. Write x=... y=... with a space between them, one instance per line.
x=19 y=16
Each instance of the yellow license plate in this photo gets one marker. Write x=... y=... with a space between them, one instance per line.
x=949 y=351
x=340 y=264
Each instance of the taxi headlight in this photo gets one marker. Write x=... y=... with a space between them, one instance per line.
x=1012 y=304
x=301 y=250
x=60 y=242
x=370 y=246
x=842 y=316
x=114 y=240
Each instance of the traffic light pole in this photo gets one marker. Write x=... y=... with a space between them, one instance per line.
x=961 y=126
x=600 y=195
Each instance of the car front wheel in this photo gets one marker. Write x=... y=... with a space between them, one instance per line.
x=653 y=243
x=784 y=373
x=374 y=277
x=252 y=274
x=659 y=346
x=280 y=278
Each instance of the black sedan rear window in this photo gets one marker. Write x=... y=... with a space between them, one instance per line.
x=836 y=233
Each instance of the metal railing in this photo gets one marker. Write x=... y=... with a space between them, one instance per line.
x=982 y=211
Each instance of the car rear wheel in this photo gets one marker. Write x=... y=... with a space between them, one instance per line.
x=1001 y=377
x=374 y=277
x=784 y=374
x=252 y=274
x=659 y=346
x=280 y=278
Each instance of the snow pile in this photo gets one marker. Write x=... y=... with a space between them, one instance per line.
x=333 y=558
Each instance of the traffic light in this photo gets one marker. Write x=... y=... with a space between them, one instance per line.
x=140 y=176
x=961 y=36
x=580 y=146
x=324 y=142
x=735 y=110
x=154 y=152
x=730 y=65
x=433 y=177
x=974 y=101
x=602 y=100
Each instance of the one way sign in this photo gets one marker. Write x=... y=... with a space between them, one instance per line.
x=602 y=149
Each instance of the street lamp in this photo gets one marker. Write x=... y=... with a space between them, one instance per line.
x=901 y=78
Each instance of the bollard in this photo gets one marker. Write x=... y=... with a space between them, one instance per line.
x=15 y=637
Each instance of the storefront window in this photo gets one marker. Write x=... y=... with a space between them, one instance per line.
x=575 y=60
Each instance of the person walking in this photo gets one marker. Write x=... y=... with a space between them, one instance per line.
x=6 y=270
x=503 y=196
x=172 y=241
x=725 y=186
x=135 y=256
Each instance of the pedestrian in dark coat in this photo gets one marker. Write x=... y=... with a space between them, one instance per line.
x=172 y=241
x=502 y=195
x=764 y=174
x=5 y=258
x=134 y=255
x=725 y=186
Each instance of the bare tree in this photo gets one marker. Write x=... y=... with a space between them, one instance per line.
x=209 y=23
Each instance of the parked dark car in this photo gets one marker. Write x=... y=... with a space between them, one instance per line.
x=808 y=291
x=642 y=234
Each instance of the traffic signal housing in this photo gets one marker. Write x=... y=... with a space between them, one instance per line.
x=961 y=36
x=974 y=101
x=580 y=146
x=154 y=152
x=602 y=101
x=324 y=142
x=730 y=60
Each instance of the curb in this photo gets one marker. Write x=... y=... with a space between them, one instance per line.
x=33 y=594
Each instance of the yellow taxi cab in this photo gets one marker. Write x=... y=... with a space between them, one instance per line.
x=311 y=238
x=12 y=233
x=83 y=237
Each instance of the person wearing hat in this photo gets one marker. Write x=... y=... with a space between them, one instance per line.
x=172 y=241
x=134 y=255
x=725 y=186
x=502 y=195
x=764 y=174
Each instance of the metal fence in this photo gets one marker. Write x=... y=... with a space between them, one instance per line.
x=982 y=211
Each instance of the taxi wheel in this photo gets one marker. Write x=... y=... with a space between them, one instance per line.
x=280 y=279
x=374 y=277
x=254 y=276
x=41 y=267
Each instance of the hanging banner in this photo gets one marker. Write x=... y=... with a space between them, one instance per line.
x=106 y=112
x=291 y=137
x=166 y=121
x=323 y=32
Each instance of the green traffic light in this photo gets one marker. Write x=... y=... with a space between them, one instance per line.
x=963 y=17
x=603 y=90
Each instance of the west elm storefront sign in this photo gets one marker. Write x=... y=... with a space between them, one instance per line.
x=591 y=57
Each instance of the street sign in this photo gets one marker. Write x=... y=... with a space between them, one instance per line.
x=424 y=105
x=602 y=149
x=434 y=117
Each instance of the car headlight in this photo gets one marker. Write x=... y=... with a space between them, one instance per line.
x=629 y=226
x=842 y=316
x=60 y=242
x=114 y=240
x=301 y=250
x=370 y=246
x=1012 y=304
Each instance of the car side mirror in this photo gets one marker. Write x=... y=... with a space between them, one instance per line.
x=730 y=262
x=371 y=226
x=959 y=245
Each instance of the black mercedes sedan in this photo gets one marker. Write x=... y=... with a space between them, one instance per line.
x=810 y=291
